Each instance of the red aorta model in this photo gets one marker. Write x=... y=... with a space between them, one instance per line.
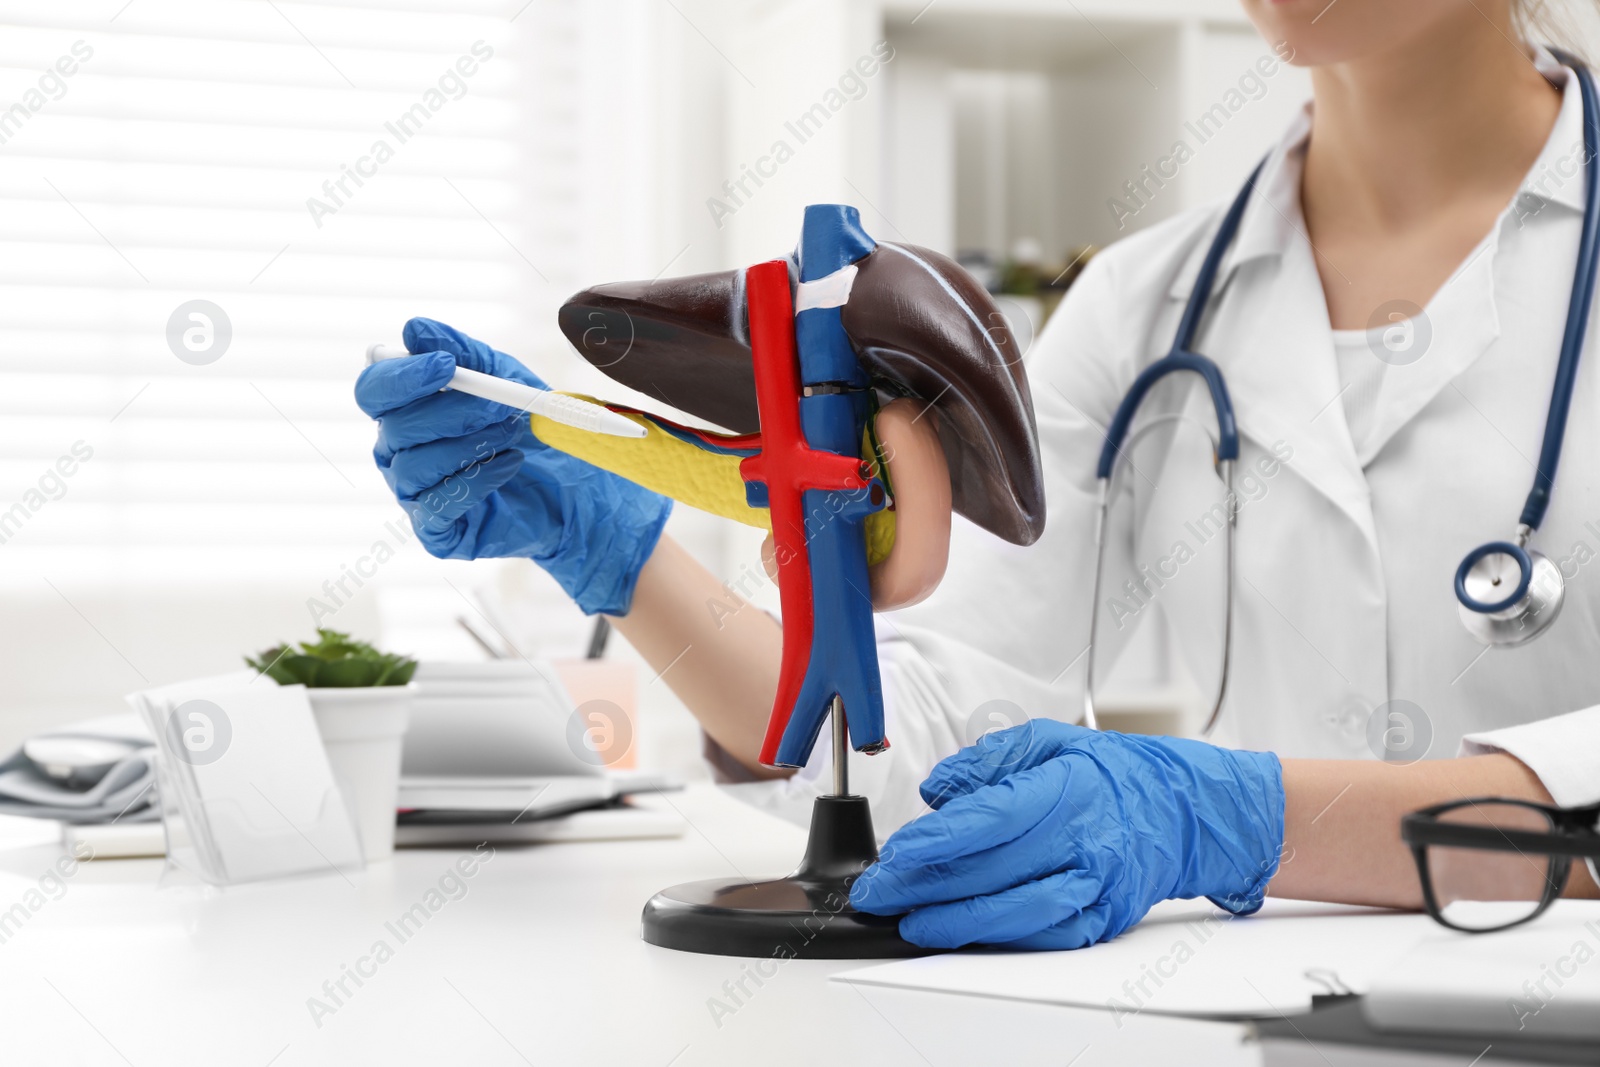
x=785 y=469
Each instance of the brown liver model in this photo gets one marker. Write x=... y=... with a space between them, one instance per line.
x=920 y=325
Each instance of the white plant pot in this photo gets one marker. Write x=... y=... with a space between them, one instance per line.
x=362 y=730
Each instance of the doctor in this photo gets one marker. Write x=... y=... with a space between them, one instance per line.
x=1388 y=318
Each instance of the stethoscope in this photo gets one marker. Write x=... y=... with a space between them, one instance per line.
x=1507 y=593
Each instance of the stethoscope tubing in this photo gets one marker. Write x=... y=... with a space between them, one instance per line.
x=1577 y=327
x=1230 y=503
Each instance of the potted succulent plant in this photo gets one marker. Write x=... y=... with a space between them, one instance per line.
x=361 y=699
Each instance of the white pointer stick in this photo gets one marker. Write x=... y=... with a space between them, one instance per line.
x=567 y=410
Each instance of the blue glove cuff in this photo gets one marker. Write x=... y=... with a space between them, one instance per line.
x=599 y=556
x=1261 y=782
x=1249 y=903
x=616 y=599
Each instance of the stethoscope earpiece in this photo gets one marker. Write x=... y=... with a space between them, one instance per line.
x=1499 y=612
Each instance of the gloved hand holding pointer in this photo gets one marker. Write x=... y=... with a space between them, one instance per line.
x=1051 y=836
x=477 y=483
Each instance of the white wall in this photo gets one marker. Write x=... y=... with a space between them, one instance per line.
x=1052 y=117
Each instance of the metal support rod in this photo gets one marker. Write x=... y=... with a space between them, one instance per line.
x=841 y=750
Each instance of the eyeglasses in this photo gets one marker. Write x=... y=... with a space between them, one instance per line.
x=1491 y=863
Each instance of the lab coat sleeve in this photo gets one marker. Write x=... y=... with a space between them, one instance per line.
x=1563 y=751
x=1003 y=637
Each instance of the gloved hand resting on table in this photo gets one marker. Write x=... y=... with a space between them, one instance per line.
x=1051 y=836
x=477 y=483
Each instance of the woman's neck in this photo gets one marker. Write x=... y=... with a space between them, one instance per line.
x=1414 y=152
x=1399 y=134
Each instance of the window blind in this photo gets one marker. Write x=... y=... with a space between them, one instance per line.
x=318 y=172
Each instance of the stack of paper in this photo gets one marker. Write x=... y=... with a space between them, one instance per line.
x=1541 y=979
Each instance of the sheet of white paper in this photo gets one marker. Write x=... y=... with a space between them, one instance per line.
x=1541 y=979
x=1186 y=958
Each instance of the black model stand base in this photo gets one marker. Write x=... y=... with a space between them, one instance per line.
x=804 y=916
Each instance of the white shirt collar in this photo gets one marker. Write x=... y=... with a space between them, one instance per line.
x=1273 y=214
x=1557 y=176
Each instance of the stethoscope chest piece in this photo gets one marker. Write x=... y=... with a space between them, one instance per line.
x=1508 y=595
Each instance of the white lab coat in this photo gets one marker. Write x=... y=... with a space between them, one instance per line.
x=1345 y=562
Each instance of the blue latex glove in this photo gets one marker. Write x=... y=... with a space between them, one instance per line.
x=1052 y=836
x=477 y=483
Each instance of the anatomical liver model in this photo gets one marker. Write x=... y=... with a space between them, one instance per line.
x=866 y=389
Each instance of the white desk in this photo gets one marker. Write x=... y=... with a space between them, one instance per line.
x=539 y=962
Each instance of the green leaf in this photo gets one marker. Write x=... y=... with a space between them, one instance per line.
x=301 y=670
x=265 y=662
x=280 y=674
x=274 y=664
x=348 y=673
x=397 y=670
x=334 y=645
x=334 y=661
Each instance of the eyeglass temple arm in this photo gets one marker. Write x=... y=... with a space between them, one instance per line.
x=1422 y=828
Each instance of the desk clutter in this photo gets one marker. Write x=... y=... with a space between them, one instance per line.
x=511 y=751
x=250 y=776
x=98 y=771
x=243 y=778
